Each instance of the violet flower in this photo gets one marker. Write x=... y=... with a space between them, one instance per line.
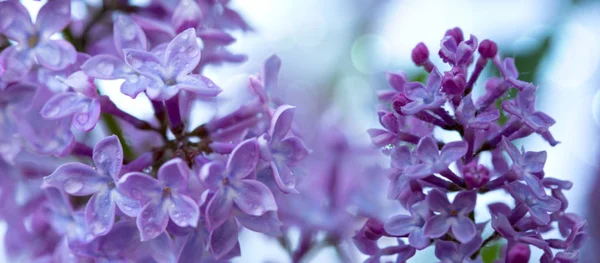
x=424 y=97
x=450 y=252
x=100 y=182
x=282 y=151
x=126 y=34
x=537 y=206
x=81 y=104
x=230 y=185
x=33 y=40
x=527 y=166
x=162 y=198
x=412 y=225
x=433 y=160
x=454 y=216
x=171 y=72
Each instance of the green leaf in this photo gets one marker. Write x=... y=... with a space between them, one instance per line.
x=491 y=253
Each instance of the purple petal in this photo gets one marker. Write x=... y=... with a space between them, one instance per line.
x=128 y=206
x=106 y=66
x=174 y=174
x=427 y=150
x=436 y=226
x=144 y=63
x=243 y=159
x=434 y=81
x=154 y=25
x=465 y=202
x=534 y=161
x=511 y=69
x=192 y=249
x=87 y=119
x=218 y=209
x=187 y=14
x=158 y=91
x=445 y=250
x=100 y=213
x=268 y=223
x=397 y=81
x=108 y=156
x=270 y=72
x=64 y=104
x=453 y=151
x=254 y=198
x=56 y=54
x=294 y=150
x=53 y=17
x=415 y=91
x=463 y=229
x=401 y=157
x=139 y=186
x=127 y=34
x=183 y=53
x=76 y=179
x=15 y=22
x=417 y=239
x=380 y=137
x=281 y=122
x=152 y=220
x=511 y=149
x=399 y=225
x=184 y=211
x=199 y=85
x=134 y=85
x=284 y=178
x=211 y=174
x=223 y=239
x=438 y=201
x=539 y=215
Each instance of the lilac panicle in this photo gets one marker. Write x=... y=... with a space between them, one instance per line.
x=425 y=171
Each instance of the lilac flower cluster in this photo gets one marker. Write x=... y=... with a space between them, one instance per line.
x=439 y=182
x=148 y=190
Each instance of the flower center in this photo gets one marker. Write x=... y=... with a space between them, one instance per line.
x=32 y=41
x=166 y=191
x=225 y=181
x=454 y=212
x=170 y=82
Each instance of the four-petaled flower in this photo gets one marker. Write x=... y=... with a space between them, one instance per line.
x=424 y=97
x=457 y=54
x=81 y=180
x=280 y=151
x=450 y=252
x=230 y=185
x=400 y=225
x=528 y=166
x=162 y=198
x=523 y=108
x=452 y=216
x=538 y=206
x=82 y=103
x=434 y=160
x=34 y=42
x=126 y=34
x=170 y=72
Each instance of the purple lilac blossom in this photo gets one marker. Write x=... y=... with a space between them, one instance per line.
x=151 y=170
x=422 y=173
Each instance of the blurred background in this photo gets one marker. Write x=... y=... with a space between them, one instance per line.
x=335 y=54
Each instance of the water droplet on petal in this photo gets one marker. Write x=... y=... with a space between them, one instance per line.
x=53 y=111
x=82 y=118
x=129 y=33
x=185 y=36
x=72 y=185
x=181 y=49
x=105 y=68
x=97 y=228
x=133 y=78
x=135 y=63
x=192 y=51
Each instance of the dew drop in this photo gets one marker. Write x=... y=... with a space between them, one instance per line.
x=129 y=33
x=98 y=228
x=181 y=49
x=133 y=78
x=82 y=118
x=185 y=36
x=105 y=68
x=72 y=186
x=192 y=51
x=53 y=111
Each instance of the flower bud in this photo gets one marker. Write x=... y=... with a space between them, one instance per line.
x=420 y=54
x=518 y=253
x=455 y=33
x=488 y=48
x=453 y=83
x=476 y=175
